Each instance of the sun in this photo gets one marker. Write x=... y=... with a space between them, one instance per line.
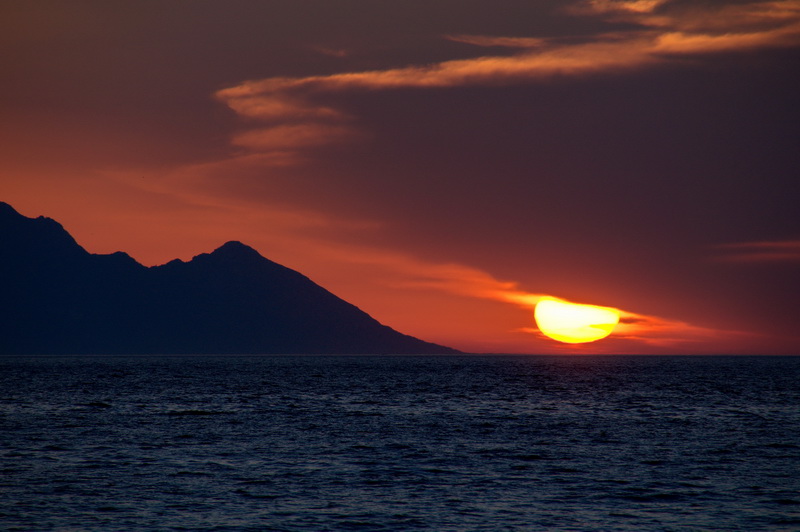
x=574 y=323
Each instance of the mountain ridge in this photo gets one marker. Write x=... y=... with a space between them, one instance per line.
x=61 y=299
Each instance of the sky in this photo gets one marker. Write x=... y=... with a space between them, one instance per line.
x=442 y=164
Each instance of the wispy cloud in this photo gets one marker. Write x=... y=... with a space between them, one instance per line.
x=298 y=114
x=330 y=52
x=616 y=6
x=779 y=251
x=508 y=42
x=292 y=136
x=661 y=332
x=733 y=17
x=633 y=327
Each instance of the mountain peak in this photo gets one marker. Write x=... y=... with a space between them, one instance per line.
x=233 y=252
x=234 y=247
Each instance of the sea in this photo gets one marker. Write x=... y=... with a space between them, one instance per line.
x=445 y=443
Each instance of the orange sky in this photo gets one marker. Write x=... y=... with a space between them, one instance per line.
x=440 y=169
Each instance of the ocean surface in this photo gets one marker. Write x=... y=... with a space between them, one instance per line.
x=400 y=443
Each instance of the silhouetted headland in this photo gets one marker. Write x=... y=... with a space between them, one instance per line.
x=60 y=299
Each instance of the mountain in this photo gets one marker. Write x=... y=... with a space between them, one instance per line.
x=59 y=299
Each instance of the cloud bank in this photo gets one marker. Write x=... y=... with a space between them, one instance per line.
x=295 y=112
x=782 y=251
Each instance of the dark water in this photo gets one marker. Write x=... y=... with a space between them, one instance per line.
x=400 y=443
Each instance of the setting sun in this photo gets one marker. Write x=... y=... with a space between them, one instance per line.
x=574 y=323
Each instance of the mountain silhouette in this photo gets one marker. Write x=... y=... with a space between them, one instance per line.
x=59 y=299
